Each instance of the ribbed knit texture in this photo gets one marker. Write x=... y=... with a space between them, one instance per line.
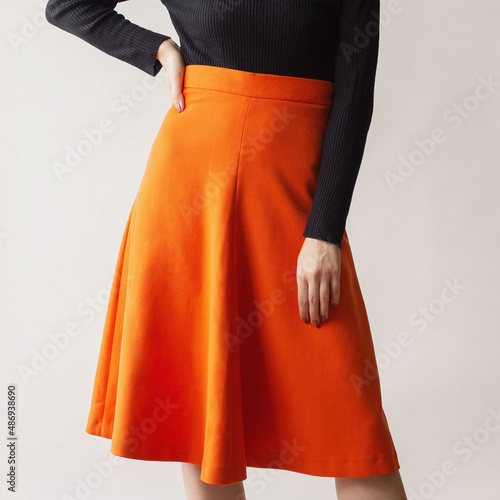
x=334 y=40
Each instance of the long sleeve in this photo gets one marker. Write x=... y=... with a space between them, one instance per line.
x=96 y=22
x=355 y=65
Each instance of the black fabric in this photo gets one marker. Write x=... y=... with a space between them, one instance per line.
x=334 y=40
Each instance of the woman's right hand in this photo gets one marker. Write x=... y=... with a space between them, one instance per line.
x=169 y=54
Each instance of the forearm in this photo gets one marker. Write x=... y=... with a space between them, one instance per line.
x=351 y=114
x=96 y=22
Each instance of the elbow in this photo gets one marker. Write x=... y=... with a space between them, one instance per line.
x=49 y=12
x=52 y=12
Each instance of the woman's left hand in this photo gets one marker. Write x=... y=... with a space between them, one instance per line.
x=318 y=279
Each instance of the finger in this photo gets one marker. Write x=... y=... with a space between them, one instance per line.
x=324 y=296
x=302 y=299
x=176 y=86
x=334 y=291
x=313 y=288
x=170 y=91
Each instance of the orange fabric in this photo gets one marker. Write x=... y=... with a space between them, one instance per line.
x=204 y=357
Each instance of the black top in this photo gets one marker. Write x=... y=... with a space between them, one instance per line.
x=334 y=40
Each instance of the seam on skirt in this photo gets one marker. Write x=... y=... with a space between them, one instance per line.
x=231 y=263
x=260 y=97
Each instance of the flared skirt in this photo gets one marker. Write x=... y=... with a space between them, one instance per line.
x=204 y=357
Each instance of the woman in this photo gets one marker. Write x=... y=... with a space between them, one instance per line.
x=226 y=342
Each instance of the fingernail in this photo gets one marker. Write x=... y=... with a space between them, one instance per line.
x=315 y=322
x=304 y=320
x=322 y=318
x=179 y=107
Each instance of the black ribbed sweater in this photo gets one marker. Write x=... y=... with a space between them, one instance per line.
x=334 y=40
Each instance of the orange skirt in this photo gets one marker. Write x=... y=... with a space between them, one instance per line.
x=204 y=357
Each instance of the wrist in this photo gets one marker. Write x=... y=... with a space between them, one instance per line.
x=324 y=241
x=163 y=47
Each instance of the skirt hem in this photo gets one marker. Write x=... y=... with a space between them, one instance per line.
x=224 y=475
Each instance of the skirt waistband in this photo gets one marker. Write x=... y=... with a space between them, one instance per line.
x=263 y=85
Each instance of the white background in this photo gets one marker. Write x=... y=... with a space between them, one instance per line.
x=59 y=240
